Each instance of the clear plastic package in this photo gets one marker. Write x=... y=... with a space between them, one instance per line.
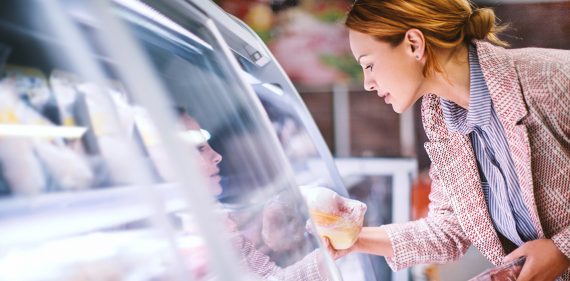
x=337 y=218
x=506 y=272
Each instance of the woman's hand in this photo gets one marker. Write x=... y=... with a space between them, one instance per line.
x=544 y=261
x=335 y=254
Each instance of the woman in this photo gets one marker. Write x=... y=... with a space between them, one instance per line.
x=498 y=123
x=310 y=268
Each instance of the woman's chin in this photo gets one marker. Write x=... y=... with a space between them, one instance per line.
x=216 y=189
x=399 y=108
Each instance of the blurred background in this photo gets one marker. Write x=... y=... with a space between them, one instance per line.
x=309 y=40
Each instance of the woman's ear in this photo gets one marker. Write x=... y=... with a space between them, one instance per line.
x=415 y=40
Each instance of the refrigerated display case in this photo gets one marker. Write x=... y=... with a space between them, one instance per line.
x=387 y=181
x=154 y=140
x=257 y=189
x=131 y=148
x=297 y=133
x=77 y=202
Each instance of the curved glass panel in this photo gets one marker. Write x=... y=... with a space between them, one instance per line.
x=303 y=144
x=248 y=173
x=290 y=123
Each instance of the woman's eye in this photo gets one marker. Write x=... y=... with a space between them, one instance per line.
x=369 y=67
x=201 y=148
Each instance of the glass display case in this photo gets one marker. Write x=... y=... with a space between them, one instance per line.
x=248 y=171
x=383 y=184
x=132 y=148
x=78 y=200
x=296 y=131
x=156 y=140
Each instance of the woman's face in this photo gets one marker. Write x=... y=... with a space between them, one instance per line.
x=394 y=73
x=209 y=158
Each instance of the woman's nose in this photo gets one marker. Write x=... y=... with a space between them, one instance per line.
x=216 y=157
x=369 y=84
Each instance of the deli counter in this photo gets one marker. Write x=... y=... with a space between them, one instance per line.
x=159 y=140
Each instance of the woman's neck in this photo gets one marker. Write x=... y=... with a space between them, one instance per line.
x=453 y=83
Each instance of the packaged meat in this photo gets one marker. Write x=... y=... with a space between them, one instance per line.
x=506 y=272
x=337 y=218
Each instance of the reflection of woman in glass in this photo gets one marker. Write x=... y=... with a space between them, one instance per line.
x=311 y=267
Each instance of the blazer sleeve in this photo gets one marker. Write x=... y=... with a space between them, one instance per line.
x=562 y=241
x=437 y=238
x=562 y=238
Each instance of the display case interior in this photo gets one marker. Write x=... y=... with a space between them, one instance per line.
x=298 y=135
x=90 y=186
x=383 y=184
x=75 y=187
x=257 y=186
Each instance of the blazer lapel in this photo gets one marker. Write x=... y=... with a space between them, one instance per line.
x=502 y=80
x=453 y=158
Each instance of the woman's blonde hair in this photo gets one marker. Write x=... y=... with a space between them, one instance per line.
x=444 y=23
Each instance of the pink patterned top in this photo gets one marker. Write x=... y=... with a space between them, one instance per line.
x=307 y=269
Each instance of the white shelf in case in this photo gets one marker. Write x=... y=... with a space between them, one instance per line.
x=52 y=215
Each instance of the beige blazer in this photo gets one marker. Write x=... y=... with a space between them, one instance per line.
x=530 y=89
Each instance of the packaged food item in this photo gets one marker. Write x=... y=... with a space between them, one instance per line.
x=31 y=162
x=106 y=136
x=506 y=272
x=31 y=87
x=337 y=218
x=63 y=84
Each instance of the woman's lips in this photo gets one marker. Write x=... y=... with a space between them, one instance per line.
x=386 y=97
x=216 y=177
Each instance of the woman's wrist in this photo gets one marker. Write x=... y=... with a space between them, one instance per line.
x=373 y=240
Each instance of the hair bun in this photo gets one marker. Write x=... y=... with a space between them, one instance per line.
x=480 y=24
